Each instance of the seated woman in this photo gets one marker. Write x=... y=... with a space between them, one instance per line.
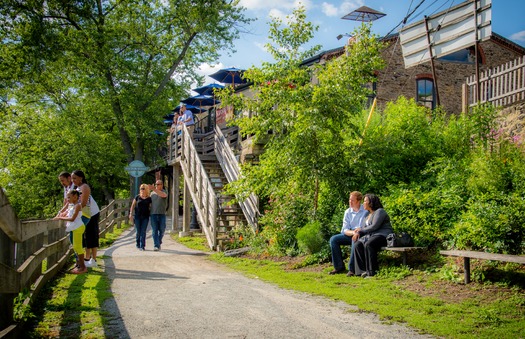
x=371 y=237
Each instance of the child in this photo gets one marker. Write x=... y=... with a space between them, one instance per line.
x=76 y=227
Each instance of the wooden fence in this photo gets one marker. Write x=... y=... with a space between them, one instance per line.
x=32 y=252
x=503 y=85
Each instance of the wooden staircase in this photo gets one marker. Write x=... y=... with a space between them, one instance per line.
x=208 y=164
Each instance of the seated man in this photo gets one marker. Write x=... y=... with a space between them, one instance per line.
x=353 y=218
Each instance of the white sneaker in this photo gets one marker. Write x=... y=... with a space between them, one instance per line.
x=156 y=249
x=91 y=263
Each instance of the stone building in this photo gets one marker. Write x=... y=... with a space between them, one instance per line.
x=451 y=72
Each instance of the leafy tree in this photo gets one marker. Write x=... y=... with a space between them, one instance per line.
x=302 y=122
x=111 y=67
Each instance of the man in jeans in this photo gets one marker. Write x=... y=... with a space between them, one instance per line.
x=353 y=218
x=158 y=213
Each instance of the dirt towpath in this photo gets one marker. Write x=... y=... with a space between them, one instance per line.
x=179 y=293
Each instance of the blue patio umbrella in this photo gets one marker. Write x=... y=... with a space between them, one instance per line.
x=208 y=89
x=229 y=76
x=200 y=100
x=193 y=109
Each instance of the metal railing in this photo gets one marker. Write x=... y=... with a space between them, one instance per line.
x=230 y=167
x=26 y=245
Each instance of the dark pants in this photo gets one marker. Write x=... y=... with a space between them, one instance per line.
x=91 y=234
x=366 y=254
x=141 y=225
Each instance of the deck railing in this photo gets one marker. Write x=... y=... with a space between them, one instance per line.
x=200 y=187
x=28 y=246
x=503 y=85
x=230 y=167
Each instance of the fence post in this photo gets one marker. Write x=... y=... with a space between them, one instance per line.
x=464 y=98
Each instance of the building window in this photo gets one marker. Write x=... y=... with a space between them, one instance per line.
x=426 y=94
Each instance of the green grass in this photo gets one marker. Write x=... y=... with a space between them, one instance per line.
x=70 y=305
x=475 y=316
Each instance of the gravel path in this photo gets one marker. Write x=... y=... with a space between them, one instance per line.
x=178 y=293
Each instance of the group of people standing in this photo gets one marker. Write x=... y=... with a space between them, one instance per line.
x=82 y=214
x=365 y=228
x=149 y=204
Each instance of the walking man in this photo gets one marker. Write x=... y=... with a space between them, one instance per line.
x=158 y=213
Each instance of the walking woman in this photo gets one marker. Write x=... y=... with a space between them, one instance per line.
x=372 y=236
x=140 y=211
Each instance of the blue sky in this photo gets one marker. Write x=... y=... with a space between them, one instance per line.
x=507 y=20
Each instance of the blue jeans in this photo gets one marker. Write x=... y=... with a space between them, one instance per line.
x=337 y=256
x=158 y=227
x=141 y=225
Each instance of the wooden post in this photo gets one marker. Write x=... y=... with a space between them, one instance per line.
x=464 y=98
x=186 y=214
x=466 y=264
x=476 y=46
x=175 y=193
x=432 y=62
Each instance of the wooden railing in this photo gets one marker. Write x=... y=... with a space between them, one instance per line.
x=502 y=86
x=230 y=167
x=26 y=245
x=200 y=188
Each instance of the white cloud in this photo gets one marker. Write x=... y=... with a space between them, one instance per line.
x=260 y=46
x=338 y=11
x=277 y=13
x=275 y=4
x=519 y=36
x=329 y=9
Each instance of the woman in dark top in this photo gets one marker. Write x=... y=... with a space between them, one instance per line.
x=371 y=237
x=140 y=211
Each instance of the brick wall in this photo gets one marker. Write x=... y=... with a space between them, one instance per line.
x=394 y=80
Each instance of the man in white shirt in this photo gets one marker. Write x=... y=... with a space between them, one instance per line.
x=353 y=218
x=187 y=119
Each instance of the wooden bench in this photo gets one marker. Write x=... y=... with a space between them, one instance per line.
x=403 y=251
x=466 y=255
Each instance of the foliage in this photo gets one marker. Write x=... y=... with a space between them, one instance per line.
x=22 y=312
x=302 y=123
x=83 y=85
x=310 y=239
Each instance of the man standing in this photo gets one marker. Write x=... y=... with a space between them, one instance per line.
x=352 y=219
x=187 y=119
x=158 y=213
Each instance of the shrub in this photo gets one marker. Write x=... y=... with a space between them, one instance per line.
x=310 y=238
x=494 y=224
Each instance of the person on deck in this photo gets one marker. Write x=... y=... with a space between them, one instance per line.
x=187 y=119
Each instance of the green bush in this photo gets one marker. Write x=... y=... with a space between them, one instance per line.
x=310 y=238
x=493 y=224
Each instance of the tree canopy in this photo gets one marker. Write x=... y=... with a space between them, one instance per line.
x=111 y=69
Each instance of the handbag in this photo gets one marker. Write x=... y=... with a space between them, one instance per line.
x=402 y=239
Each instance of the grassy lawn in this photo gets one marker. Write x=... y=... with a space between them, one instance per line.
x=431 y=300
x=70 y=305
